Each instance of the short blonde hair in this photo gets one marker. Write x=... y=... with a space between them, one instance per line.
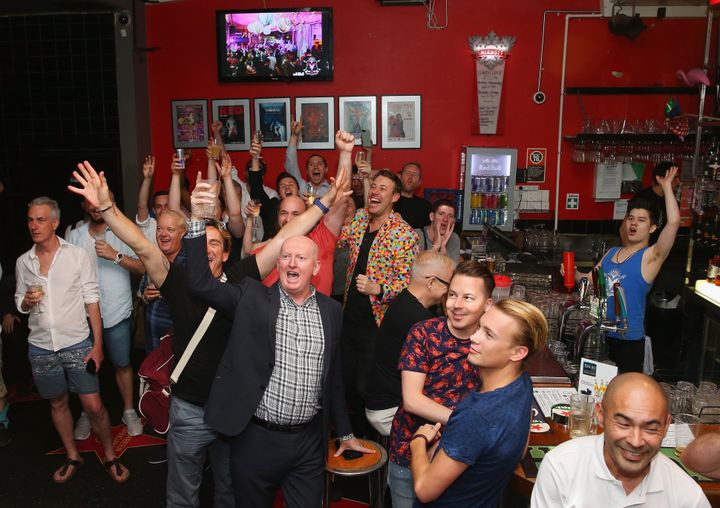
x=531 y=322
x=179 y=218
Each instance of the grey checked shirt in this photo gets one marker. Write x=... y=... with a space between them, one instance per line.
x=293 y=393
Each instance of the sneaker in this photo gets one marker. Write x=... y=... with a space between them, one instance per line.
x=82 y=427
x=134 y=425
x=5 y=437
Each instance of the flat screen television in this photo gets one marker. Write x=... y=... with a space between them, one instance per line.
x=275 y=44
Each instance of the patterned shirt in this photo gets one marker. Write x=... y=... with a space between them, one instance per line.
x=293 y=393
x=390 y=259
x=431 y=349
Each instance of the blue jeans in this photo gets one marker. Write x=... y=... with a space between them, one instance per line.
x=188 y=444
x=401 y=485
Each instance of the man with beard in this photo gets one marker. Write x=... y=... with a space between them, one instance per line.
x=621 y=466
x=114 y=261
x=439 y=235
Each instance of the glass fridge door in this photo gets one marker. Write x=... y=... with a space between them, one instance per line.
x=489 y=187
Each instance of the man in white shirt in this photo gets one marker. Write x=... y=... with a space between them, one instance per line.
x=57 y=285
x=316 y=166
x=114 y=261
x=622 y=466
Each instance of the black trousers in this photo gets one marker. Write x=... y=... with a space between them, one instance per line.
x=358 y=355
x=628 y=355
x=262 y=461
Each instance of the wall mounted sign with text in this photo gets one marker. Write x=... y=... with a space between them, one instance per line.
x=536 y=162
x=490 y=55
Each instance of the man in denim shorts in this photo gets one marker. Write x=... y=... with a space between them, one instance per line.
x=114 y=261
x=57 y=285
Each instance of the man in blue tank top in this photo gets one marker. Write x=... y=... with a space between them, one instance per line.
x=635 y=265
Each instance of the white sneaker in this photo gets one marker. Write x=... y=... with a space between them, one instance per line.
x=82 y=428
x=134 y=425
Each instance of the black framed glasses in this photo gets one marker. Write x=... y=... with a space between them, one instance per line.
x=438 y=279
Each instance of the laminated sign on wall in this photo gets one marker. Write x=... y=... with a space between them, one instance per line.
x=608 y=180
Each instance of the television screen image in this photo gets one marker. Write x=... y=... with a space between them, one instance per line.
x=273 y=45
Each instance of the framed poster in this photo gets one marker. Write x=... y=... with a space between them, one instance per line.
x=234 y=114
x=400 y=119
x=272 y=118
x=357 y=114
x=317 y=115
x=190 y=125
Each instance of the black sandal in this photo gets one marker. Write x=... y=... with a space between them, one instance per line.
x=117 y=475
x=63 y=471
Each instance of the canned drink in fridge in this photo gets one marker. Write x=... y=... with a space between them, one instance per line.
x=489 y=184
x=503 y=200
x=501 y=217
x=480 y=182
x=491 y=217
x=506 y=183
x=474 y=184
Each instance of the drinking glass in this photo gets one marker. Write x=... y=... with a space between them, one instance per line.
x=359 y=157
x=679 y=401
x=37 y=288
x=215 y=149
x=207 y=210
x=686 y=428
x=100 y=237
x=310 y=196
x=581 y=412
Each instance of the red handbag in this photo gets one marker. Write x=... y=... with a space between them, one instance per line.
x=154 y=372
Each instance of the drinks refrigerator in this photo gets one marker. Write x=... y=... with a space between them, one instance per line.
x=488 y=183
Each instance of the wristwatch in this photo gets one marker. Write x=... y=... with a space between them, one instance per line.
x=118 y=258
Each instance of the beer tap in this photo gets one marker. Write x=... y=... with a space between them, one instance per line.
x=619 y=325
x=580 y=305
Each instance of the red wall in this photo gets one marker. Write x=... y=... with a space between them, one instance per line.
x=389 y=51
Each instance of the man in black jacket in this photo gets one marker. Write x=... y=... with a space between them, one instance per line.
x=279 y=382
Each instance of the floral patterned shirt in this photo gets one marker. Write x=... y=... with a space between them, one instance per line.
x=431 y=349
x=390 y=259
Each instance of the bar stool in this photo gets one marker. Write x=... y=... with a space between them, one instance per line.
x=368 y=464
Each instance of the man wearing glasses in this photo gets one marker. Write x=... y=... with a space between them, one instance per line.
x=431 y=272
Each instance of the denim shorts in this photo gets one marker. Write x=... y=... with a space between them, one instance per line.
x=116 y=341
x=56 y=371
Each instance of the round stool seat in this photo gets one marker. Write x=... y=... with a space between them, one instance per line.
x=368 y=463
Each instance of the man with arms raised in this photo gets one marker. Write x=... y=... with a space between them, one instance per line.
x=635 y=265
x=286 y=361
x=315 y=166
x=621 y=466
x=57 y=285
x=189 y=438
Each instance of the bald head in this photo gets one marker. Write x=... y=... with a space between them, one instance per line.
x=633 y=385
x=297 y=264
x=301 y=244
x=290 y=207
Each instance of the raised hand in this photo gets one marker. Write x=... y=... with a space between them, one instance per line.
x=446 y=237
x=255 y=149
x=94 y=186
x=225 y=166
x=344 y=141
x=364 y=168
x=666 y=181
x=176 y=166
x=216 y=128
x=202 y=196
x=149 y=166
x=296 y=128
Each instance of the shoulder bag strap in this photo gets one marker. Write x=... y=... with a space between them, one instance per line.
x=194 y=341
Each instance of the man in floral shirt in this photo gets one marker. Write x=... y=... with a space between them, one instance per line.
x=436 y=375
x=382 y=248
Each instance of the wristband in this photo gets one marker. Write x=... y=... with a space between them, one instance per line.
x=420 y=436
x=104 y=209
x=321 y=206
x=347 y=437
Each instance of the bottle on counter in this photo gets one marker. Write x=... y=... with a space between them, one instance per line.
x=713 y=270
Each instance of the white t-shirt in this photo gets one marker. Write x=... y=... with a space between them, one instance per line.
x=575 y=475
